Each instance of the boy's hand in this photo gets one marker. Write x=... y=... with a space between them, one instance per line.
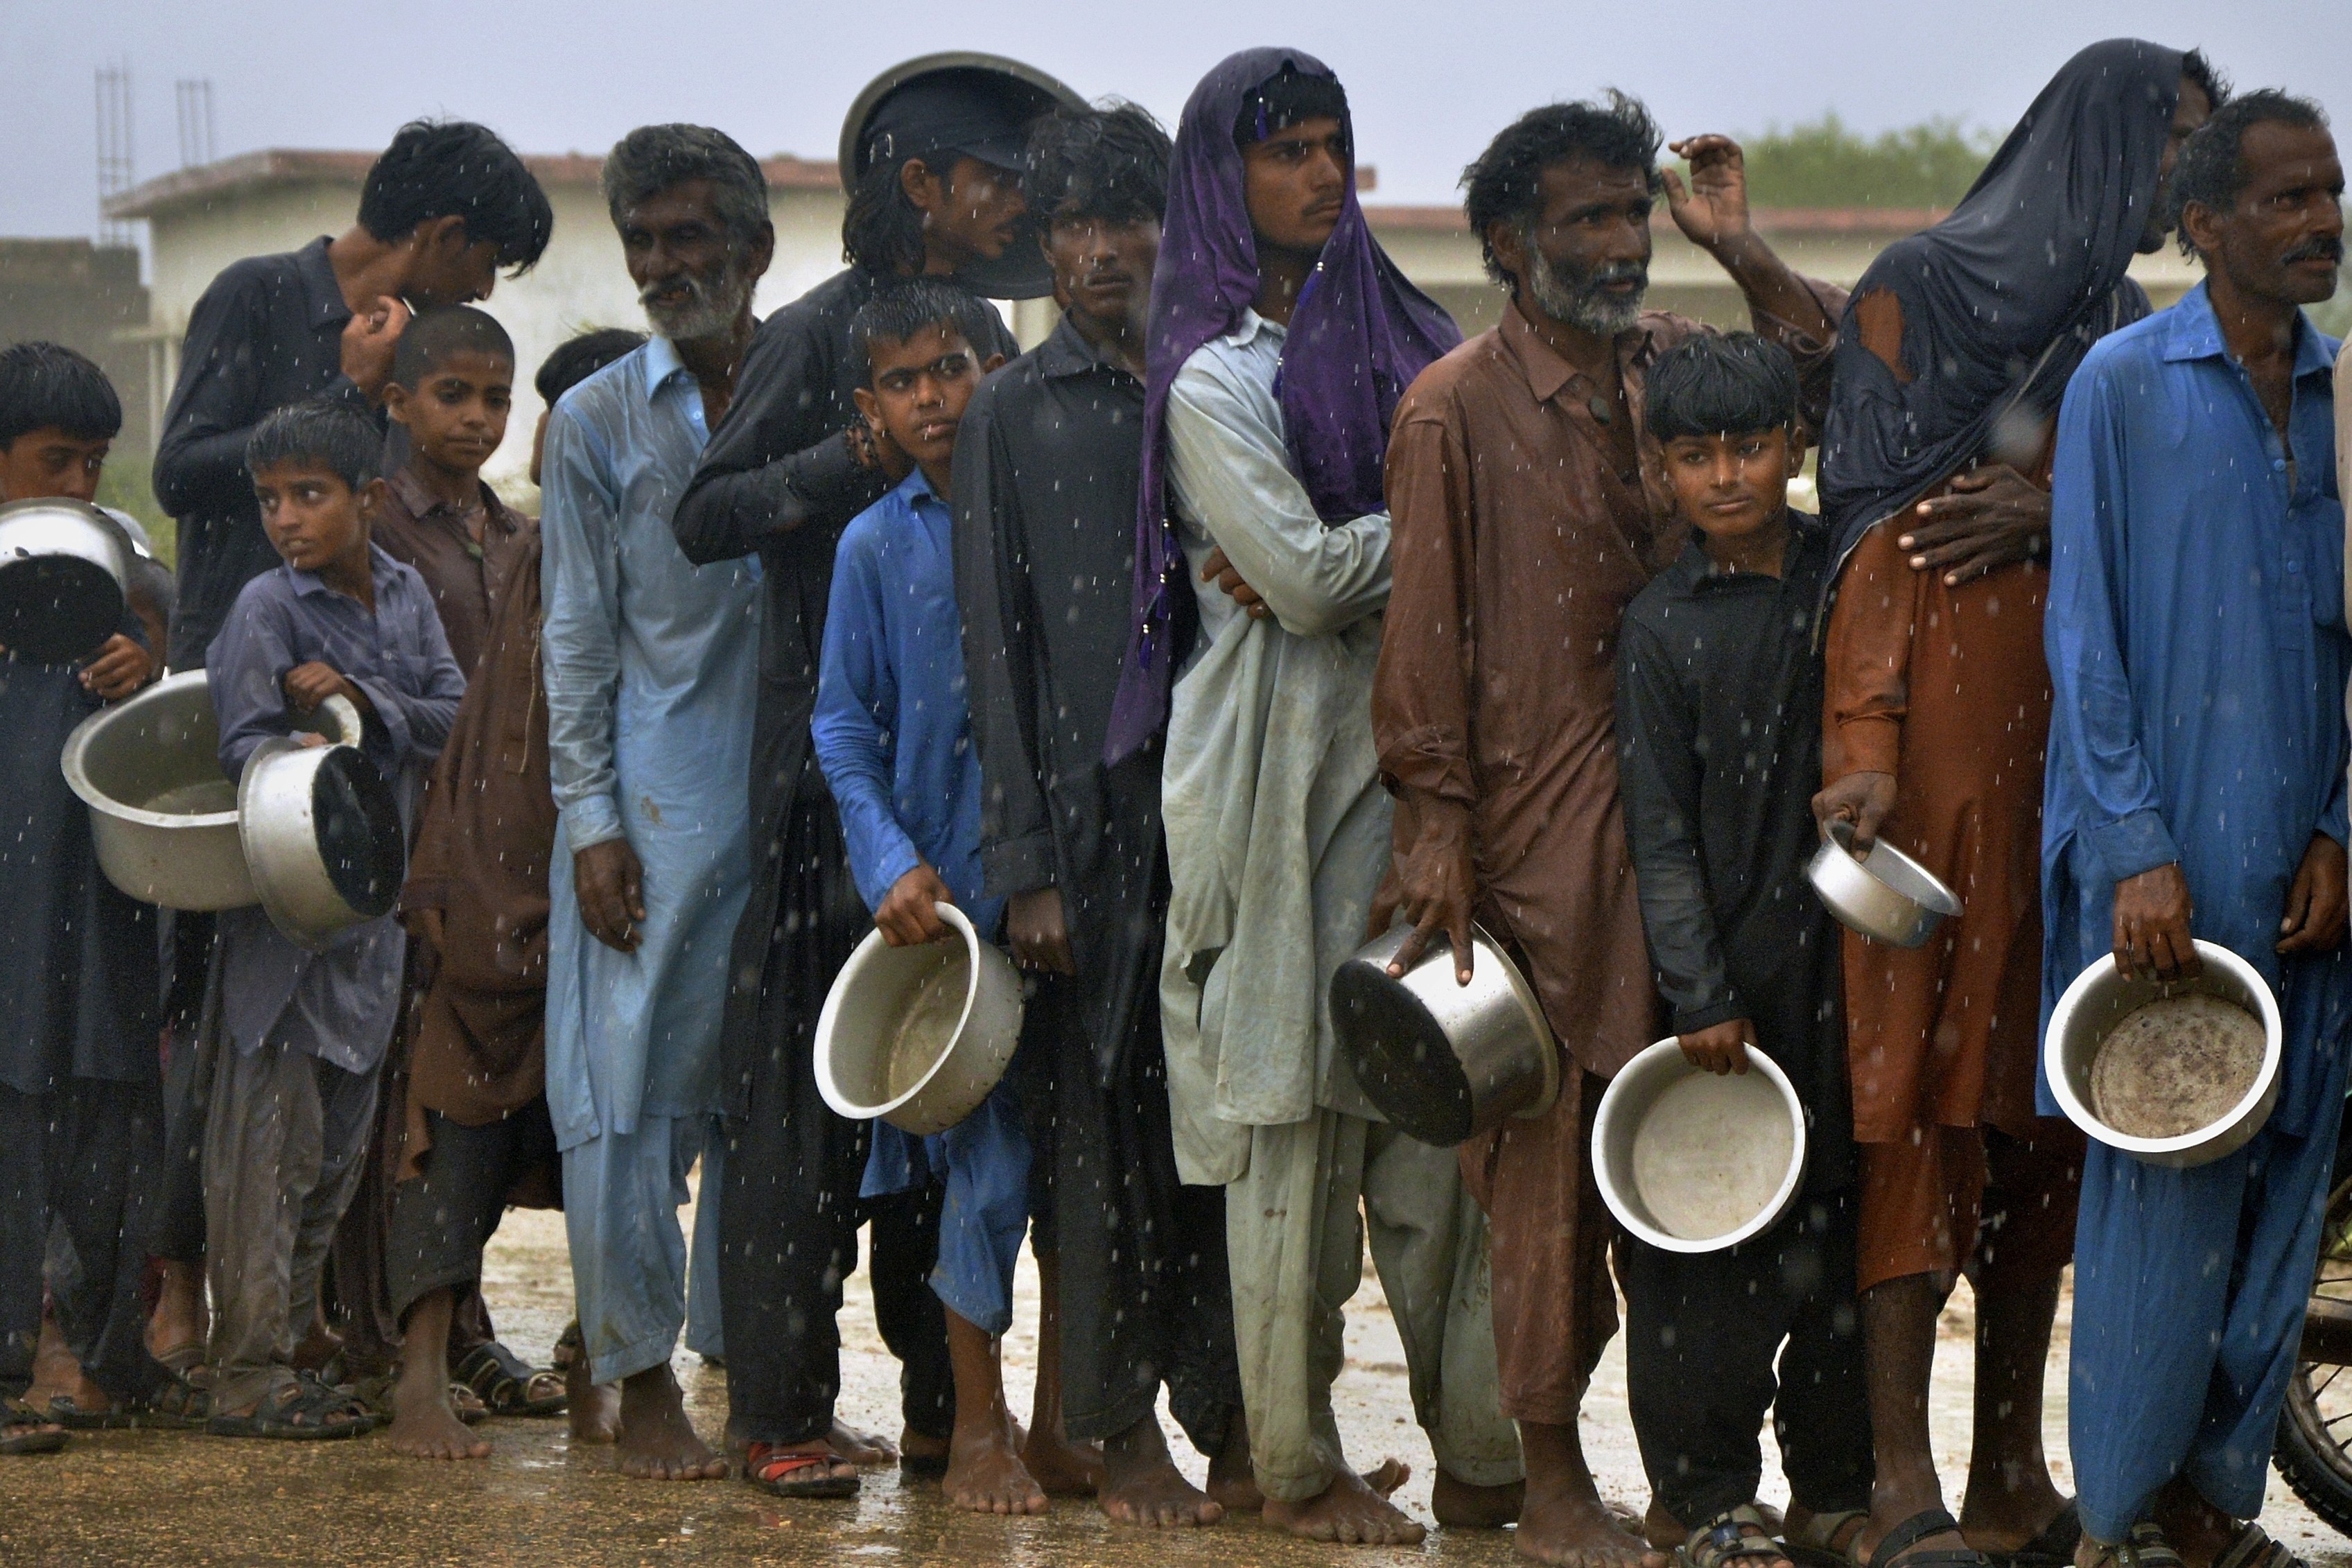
x=1040 y=936
x=307 y=685
x=610 y=885
x=369 y=338
x=1433 y=885
x=2152 y=914
x=1862 y=799
x=1996 y=517
x=2315 y=916
x=906 y=917
x=1720 y=1048
x=120 y=669
x=1228 y=577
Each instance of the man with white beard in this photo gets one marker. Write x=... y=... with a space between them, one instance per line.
x=652 y=675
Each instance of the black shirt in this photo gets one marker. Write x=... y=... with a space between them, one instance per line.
x=267 y=332
x=1719 y=738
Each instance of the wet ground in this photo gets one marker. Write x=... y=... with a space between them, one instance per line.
x=170 y=1498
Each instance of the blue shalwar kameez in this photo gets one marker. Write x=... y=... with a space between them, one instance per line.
x=2198 y=659
x=652 y=675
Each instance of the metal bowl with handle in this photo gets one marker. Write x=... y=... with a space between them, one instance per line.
x=322 y=832
x=1690 y=1161
x=62 y=579
x=1885 y=895
x=918 y=1035
x=1441 y=1060
x=162 y=814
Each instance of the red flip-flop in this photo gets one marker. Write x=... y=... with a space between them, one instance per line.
x=773 y=1472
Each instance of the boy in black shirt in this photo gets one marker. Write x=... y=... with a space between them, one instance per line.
x=1719 y=725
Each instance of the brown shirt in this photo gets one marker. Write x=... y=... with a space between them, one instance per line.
x=1518 y=542
x=467 y=579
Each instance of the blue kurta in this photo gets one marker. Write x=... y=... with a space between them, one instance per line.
x=2198 y=662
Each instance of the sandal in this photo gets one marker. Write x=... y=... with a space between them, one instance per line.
x=2145 y=1547
x=1734 y=1536
x=25 y=1430
x=509 y=1386
x=2052 y=1545
x=185 y=1357
x=1903 y=1541
x=774 y=1472
x=69 y=1413
x=305 y=1410
x=1833 y=1540
x=2253 y=1548
x=177 y=1405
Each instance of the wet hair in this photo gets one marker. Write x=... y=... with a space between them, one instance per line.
x=45 y=386
x=2211 y=82
x=2212 y=169
x=899 y=312
x=1506 y=181
x=576 y=360
x=1734 y=384
x=455 y=168
x=654 y=158
x=1286 y=99
x=1109 y=163
x=319 y=434
x=428 y=342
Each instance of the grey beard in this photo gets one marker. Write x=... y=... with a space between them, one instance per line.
x=1573 y=297
x=708 y=311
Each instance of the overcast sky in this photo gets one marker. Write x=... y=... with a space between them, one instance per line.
x=1430 y=79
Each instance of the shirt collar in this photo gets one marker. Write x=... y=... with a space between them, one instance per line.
x=916 y=491
x=323 y=297
x=2194 y=332
x=1545 y=371
x=660 y=364
x=1066 y=352
x=381 y=570
x=410 y=492
x=1252 y=324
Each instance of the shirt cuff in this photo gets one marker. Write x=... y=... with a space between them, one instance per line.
x=1431 y=760
x=1868 y=744
x=829 y=474
x=2138 y=842
x=1691 y=1020
x=1017 y=866
x=876 y=880
x=591 y=820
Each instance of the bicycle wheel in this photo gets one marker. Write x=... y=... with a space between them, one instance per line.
x=2314 y=1438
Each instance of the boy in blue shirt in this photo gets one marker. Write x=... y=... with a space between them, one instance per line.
x=893 y=734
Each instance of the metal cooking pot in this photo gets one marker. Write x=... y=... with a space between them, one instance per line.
x=62 y=579
x=322 y=832
x=1886 y=895
x=2098 y=1001
x=1441 y=1060
x=162 y=814
x=1686 y=1118
x=860 y=1024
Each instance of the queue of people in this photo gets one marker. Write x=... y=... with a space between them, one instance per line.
x=1253 y=611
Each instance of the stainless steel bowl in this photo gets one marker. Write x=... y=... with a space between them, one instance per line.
x=861 y=1022
x=1648 y=1109
x=1441 y=1060
x=2098 y=1001
x=321 y=833
x=163 y=814
x=62 y=579
x=1885 y=895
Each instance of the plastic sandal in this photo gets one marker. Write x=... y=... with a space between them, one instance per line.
x=774 y=1472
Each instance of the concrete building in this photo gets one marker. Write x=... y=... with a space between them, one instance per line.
x=201 y=219
x=90 y=299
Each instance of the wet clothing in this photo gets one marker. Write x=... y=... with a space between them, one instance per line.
x=467 y=579
x=1719 y=736
x=2196 y=552
x=267 y=332
x=1046 y=468
x=1972 y=1200
x=443 y=1219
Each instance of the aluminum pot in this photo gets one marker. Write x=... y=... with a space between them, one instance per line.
x=62 y=579
x=162 y=814
x=2098 y=1001
x=1441 y=1060
x=864 y=1026
x=1886 y=895
x=322 y=832
x=1661 y=1133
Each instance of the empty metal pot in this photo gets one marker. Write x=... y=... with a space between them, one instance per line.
x=1886 y=895
x=321 y=833
x=2098 y=1000
x=161 y=813
x=863 y=1034
x=62 y=579
x=1661 y=1134
x=1441 y=1060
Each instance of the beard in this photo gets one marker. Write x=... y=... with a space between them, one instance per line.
x=1575 y=296
x=712 y=303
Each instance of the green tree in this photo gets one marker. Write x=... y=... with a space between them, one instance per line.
x=1827 y=163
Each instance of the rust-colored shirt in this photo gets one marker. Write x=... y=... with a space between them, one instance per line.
x=1518 y=542
x=467 y=579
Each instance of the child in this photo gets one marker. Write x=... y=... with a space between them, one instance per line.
x=80 y=1114
x=297 y=1037
x=893 y=734
x=1718 y=723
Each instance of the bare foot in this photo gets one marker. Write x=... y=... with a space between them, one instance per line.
x=863 y=1449
x=656 y=1441
x=1141 y=1485
x=1459 y=1505
x=424 y=1426
x=1232 y=1483
x=176 y=1331
x=985 y=1474
x=57 y=1374
x=1568 y=1530
x=1349 y=1511
x=1063 y=1467
x=593 y=1408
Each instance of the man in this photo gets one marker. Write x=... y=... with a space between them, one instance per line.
x=650 y=669
x=2198 y=551
x=1045 y=491
x=1950 y=365
x=1267 y=412
x=930 y=165
x=1531 y=506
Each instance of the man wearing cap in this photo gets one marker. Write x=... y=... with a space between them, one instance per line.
x=930 y=155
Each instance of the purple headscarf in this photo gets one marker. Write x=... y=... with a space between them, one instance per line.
x=1359 y=336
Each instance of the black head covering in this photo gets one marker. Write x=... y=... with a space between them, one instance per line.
x=2002 y=299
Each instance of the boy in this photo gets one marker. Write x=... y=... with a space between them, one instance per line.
x=297 y=1038
x=893 y=734
x=1719 y=724
x=80 y=1116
